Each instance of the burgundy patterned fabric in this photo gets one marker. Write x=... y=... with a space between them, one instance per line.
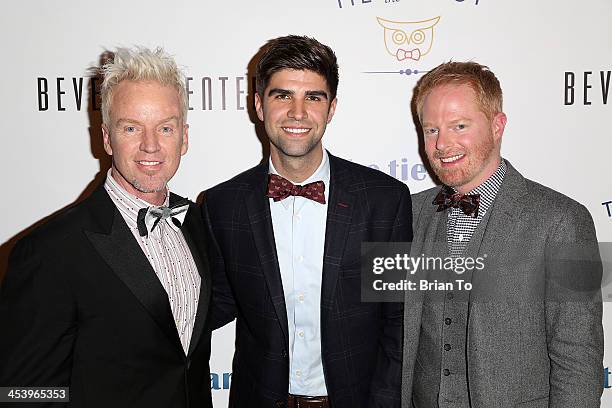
x=448 y=198
x=280 y=188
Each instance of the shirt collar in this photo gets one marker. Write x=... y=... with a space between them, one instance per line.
x=127 y=203
x=489 y=189
x=321 y=173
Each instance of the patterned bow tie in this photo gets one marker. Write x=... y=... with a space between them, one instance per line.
x=280 y=188
x=468 y=203
x=402 y=54
x=149 y=217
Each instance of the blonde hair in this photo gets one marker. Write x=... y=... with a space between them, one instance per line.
x=140 y=64
x=478 y=77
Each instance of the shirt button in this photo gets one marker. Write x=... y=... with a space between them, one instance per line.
x=301 y=298
x=447 y=347
x=301 y=334
x=460 y=237
x=298 y=373
x=300 y=258
x=450 y=296
x=446 y=372
x=447 y=321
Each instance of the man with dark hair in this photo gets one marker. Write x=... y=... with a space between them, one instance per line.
x=110 y=297
x=289 y=232
x=529 y=332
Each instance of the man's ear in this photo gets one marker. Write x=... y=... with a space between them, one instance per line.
x=259 y=106
x=106 y=139
x=185 y=144
x=332 y=109
x=498 y=125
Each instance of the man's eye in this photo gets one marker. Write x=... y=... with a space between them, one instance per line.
x=430 y=131
x=167 y=129
x=461 y=126
x=282 y=96
x=130 y=129
x=313 y=98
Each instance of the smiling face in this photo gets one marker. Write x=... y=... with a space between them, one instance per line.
x=146 y=137
x=462 y=144
x=295 y=109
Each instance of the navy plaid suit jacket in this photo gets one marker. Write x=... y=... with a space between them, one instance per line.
x=361 y=342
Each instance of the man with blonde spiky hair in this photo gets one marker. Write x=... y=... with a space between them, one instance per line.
x=110 y=297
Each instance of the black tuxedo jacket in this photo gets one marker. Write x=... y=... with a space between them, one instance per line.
x=361 y=342
x=82 y=307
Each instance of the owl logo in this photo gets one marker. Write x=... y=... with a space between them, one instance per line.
x=408 y=39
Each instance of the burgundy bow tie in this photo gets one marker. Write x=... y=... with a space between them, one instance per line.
x=468 y=203
x=280 y=188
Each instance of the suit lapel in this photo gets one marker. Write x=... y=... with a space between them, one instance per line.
x=503 y=216
x=430 y=229
x=429 y=239
x=493 y=239
x=507 y=207
x=260 y=219
x=339 y=214
x=195 y=236
x=119 y=249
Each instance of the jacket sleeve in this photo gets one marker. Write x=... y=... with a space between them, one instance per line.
x=385 y=390
x=223 y=305
x=38 y=321
x=574 y=331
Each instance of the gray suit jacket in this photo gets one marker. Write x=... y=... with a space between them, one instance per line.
x=530 y=340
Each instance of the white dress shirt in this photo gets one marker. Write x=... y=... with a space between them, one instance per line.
x=299 y=233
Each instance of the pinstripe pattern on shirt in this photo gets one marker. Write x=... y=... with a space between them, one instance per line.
x=169 y=255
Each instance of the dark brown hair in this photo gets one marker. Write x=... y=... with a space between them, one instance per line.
x=298 y=53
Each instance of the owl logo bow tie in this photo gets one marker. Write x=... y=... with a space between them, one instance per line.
x=280 y=188
x=149 y=217
x=468 y=203
x=402 y=54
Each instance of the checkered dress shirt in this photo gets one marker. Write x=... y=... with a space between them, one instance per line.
x=460 y=227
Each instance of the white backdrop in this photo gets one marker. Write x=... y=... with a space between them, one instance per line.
x=556 y=135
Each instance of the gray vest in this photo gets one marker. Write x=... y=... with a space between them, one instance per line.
x=440 y=374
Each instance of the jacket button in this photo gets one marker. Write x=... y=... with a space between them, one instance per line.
x=284 y=354
x=279 y=404
x=447 y=347
x=446 y=372
x=447 y=321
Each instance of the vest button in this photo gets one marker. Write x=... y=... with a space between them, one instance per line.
x=446 y=372
x=448 y=321
x=447 y=347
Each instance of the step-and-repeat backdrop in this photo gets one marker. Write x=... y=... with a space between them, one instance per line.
x=553 y=58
